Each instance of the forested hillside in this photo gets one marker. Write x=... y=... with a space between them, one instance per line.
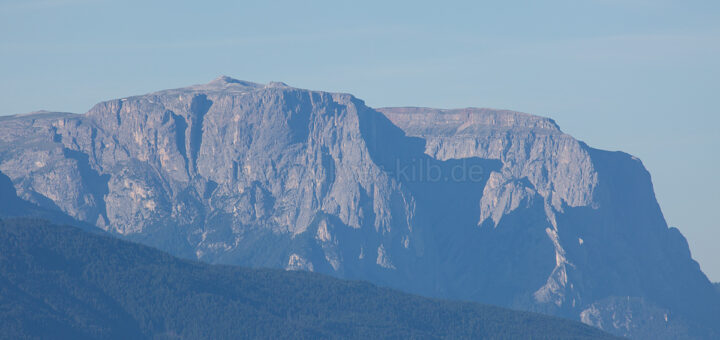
x=62 y=282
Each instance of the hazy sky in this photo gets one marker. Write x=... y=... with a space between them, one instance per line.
x=640 y=76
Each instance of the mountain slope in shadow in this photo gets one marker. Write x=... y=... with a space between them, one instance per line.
x=62 y=282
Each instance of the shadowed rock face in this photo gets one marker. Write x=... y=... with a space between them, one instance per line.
x=477 y=204
x=617 y=264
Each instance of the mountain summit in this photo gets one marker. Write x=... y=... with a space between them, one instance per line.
x=476 y=204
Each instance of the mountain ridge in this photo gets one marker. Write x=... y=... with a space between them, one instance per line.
x=473 y=204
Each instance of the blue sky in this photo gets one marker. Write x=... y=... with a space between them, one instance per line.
x=642 y=76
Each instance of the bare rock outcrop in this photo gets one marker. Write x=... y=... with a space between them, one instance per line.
x=477 y=204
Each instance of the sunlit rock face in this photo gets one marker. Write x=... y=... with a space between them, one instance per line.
x=487 y=205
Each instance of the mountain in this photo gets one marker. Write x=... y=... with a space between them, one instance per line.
x=614 y=255
x=13 y=206
x=481 y=205
x=61 y=282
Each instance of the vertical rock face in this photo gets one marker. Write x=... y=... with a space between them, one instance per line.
x=230 y=171
x=617 y=264
x=476 y=204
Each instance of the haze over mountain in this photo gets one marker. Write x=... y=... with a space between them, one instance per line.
x=482 y=205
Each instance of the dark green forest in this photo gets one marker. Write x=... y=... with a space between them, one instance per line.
x=62 y=282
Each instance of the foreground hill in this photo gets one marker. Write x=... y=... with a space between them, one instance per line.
x=62 y=282
x=491 y=206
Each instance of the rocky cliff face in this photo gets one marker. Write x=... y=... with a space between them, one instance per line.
x=485 y=205
x=617 y=263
